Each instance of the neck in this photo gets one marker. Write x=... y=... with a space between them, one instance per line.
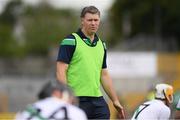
x=164 y=101
x=89 y=35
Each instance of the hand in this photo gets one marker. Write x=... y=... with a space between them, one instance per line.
x=120 y=109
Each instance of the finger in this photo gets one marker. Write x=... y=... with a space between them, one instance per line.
x=122 y=114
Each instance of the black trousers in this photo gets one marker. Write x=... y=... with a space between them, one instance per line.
x=94 y=107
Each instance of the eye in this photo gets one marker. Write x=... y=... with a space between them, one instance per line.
x=95 y=20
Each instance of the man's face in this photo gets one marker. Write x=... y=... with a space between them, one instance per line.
x=90 y=23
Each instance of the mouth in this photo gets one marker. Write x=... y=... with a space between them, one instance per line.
x=93 y=28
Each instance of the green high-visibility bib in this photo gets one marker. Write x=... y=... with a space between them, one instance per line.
x=84 y=71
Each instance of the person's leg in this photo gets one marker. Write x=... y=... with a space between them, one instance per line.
x=102 y=110
x=86 y=105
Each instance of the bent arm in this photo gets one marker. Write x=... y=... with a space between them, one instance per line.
x=61 y=70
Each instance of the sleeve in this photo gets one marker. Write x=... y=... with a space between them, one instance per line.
x=76 y=113
x=104 y=65
x=66 y=49
x=82 y=116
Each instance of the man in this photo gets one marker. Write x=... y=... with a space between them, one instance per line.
x=157 y=109
x=58 y=106
x=46 y=92
x=81 y=64
x=177 y=113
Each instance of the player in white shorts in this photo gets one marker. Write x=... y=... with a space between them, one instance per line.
x=177 y=113
x=56 y=107
x=158 y=108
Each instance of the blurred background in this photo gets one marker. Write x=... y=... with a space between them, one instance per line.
x=142 y=37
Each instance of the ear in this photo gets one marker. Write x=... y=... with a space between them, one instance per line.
x=82 y=21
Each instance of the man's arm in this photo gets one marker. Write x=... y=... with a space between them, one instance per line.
x=65 y=54
x=61 y=70
x=107 y=84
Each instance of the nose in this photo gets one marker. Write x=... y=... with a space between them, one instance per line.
x=93 y=22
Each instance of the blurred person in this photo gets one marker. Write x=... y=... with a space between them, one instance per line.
x=46 y=92
x=157 y=109
x=81 y=63
x=177 y=113
x=55 y=104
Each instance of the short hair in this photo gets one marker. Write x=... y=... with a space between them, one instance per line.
x=50 y=86
x=89 y=9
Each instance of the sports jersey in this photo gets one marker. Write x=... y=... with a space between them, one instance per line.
x=152 y=110
x=51 y=109
x=178 y=105
x=68 y=46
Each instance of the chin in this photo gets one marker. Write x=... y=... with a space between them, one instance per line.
x=93 y=31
